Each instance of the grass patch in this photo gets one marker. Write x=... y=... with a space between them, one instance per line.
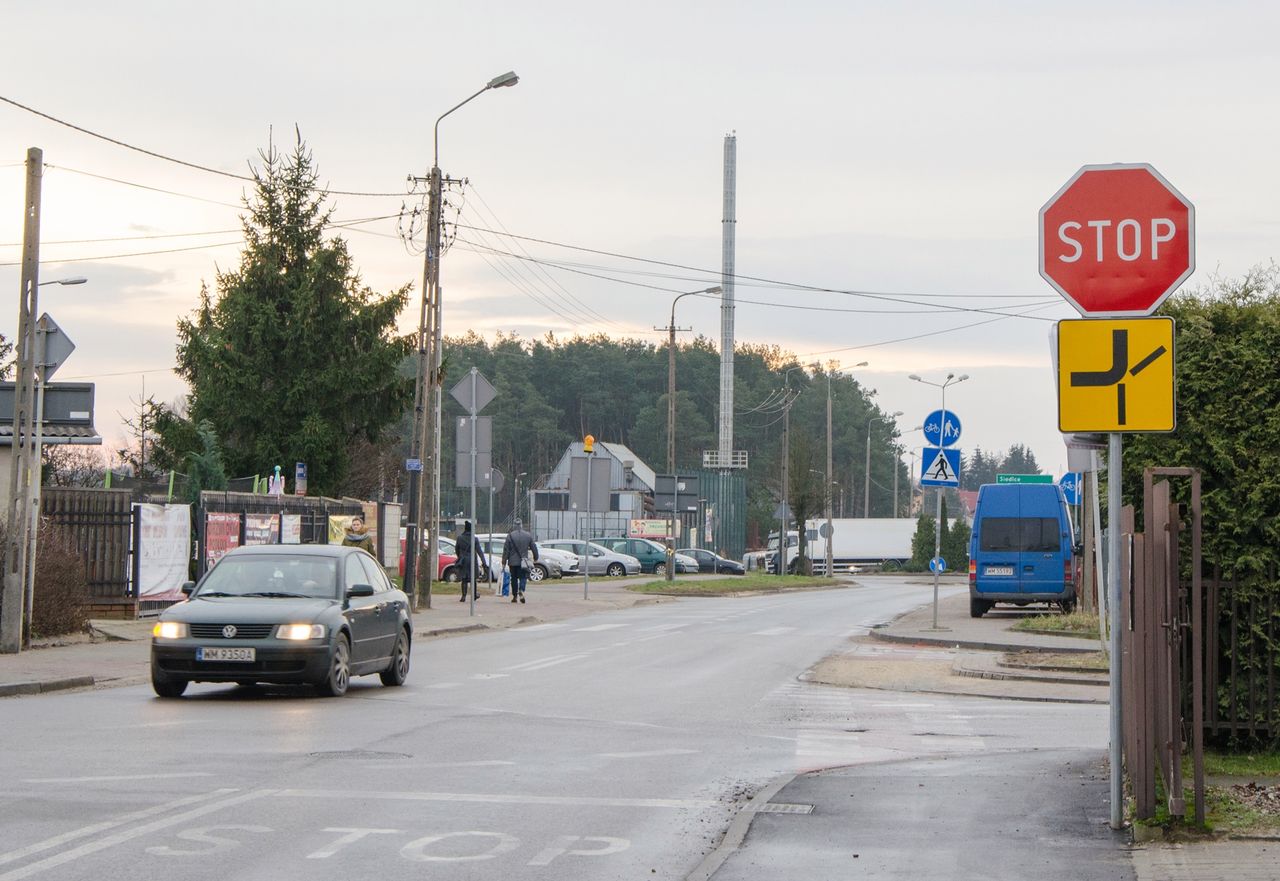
x=733 y=584
x=1081 y=624
x=1084 y=662
x=1219 y=764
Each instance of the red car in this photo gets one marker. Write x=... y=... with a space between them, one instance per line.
x=447 y=569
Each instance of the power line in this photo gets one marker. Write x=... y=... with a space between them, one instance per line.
x=155 y=155
x=127 y=183
x=336 y=224
x=920 y=336
x=133 y=254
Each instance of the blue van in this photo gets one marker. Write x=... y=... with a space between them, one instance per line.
x=1023 y=549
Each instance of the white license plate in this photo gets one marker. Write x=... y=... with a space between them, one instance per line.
x=999 y=570
x=225 y=654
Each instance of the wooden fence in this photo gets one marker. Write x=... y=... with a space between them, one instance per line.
x=100 y=523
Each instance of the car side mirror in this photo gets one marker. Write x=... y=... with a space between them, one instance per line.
x=188 y=587
x=360 y=590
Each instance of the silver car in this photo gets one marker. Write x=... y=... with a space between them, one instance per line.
x=599 y=560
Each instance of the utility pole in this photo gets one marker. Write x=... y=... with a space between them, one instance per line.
x=14 y=631
x=830 y=534
x=786 y=486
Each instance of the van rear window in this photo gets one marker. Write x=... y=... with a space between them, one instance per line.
x=1020 y=534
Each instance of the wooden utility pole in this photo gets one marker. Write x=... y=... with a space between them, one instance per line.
x=13 y=633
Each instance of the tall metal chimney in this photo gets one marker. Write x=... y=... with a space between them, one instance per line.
x=727 y=247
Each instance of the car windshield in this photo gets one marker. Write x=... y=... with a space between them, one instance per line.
x=273 y=576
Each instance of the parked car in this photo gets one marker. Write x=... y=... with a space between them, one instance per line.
x=446 y=560
x=599 y=560
x=652 y=556
x=309 y=614
x=709 y=561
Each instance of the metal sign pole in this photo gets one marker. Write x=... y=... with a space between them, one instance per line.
x=1113 y=599
x=937 y=553
x=475 y=522
x=586 y=540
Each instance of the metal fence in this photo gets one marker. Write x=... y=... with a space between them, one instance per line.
x=1243 y=659
x=100 y=522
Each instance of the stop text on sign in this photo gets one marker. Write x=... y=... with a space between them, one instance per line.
x=1116 y=240
x=1125 y=241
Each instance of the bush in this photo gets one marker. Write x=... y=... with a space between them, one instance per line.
x=61 y=603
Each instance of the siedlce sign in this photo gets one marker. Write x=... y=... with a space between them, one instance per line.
x=1116 y=240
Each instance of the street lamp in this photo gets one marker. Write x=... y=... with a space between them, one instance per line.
x=515 y=501
x=671 y=417
x=951 y=379
x=866 y=470
x=788 y=400
x=429 y=351
x=830 y=467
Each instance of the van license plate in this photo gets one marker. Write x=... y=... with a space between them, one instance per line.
x=225 y=654
x=999 y=570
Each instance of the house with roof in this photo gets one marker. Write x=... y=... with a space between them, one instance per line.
x=631 y=487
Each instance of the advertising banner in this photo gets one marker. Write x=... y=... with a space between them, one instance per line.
x=261 y=529
x=221 y=534
x=338 y=526
x=650 y=529
x=164 y=551
x=291 y=529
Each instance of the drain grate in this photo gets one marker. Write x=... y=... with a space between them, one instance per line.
x=784 y=808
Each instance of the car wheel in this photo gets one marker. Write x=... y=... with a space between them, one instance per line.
x=167 y=686
x=660 y=569
x=398 y=671
x=978 y=608
x=1068 y=606
x=338 y=678
x=451 y=575
x=617 y=570
x=538 y=572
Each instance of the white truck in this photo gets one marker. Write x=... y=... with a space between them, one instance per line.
x=856 y=544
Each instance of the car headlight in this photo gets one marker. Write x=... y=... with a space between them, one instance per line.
x=300 y=631
x=169 y=630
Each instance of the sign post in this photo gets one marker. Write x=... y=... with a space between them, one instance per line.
x=941 y=468
x=1115 y=241
x=473 y=392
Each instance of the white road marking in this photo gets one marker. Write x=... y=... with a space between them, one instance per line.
x=353 y=835
x=598 y=627
x=561 y=847
x=202 y=836
x=125 y=819
x=552 y=626
x=417 y=850
x=490 y=675
x=444 y=685
x=534 y=663
x=553 y=662
x=773 y=631
x=649 y=753
x=130 y=834
x=494 y=799
x=110 y=779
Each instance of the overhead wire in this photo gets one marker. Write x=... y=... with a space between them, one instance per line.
x=162 y=156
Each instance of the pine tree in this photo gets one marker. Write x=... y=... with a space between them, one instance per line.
x=294 y=358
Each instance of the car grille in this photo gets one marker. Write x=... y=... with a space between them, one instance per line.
x=232 y=668
x=243 y=631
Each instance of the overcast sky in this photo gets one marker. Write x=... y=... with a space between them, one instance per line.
x=898 y=149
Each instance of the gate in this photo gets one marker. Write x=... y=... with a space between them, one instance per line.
x=1158 y=607
x=100 y=522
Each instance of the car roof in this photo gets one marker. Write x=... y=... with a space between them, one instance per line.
x=311 y=550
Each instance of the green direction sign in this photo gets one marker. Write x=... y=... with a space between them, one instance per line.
x=1024 y=478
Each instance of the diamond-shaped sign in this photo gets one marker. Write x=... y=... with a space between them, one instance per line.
x=57 y=346
x=473 y=391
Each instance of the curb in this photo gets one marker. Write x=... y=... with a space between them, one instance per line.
x=449 y=631
x=999 y=697
x=43 y=686
x=914 y=639
x=1000 y=675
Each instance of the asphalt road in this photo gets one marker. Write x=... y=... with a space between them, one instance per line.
x=620 y=745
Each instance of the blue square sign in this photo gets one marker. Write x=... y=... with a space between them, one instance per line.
x=940 y=466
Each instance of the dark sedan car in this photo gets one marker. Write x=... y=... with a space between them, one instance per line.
x=713 y=562
x=310 y=614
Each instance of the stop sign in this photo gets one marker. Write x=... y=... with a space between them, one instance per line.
x=1116 y=240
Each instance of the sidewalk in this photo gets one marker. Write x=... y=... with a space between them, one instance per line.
x=120 y=651
x=963 y=657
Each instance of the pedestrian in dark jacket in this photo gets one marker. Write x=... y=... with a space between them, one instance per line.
x=466 y=565
x=357 y=536
x=519 y=553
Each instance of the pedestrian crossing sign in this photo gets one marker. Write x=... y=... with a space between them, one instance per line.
x=940 y=467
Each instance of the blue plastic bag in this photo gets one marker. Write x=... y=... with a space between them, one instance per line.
x=506 y=583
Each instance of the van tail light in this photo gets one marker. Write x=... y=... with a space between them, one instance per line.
x=973 y=573
x=1068 y=576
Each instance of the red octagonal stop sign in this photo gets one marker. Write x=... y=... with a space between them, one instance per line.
x=1117 y=240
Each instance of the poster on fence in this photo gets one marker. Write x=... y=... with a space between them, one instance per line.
x=291 y=529
x=221 y=534
x=164 y=550
x=261 y=529
x=338 y=526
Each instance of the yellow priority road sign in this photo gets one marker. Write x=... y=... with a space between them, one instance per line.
x=1115 y=375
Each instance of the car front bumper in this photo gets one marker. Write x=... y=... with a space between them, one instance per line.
x=303 y=662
